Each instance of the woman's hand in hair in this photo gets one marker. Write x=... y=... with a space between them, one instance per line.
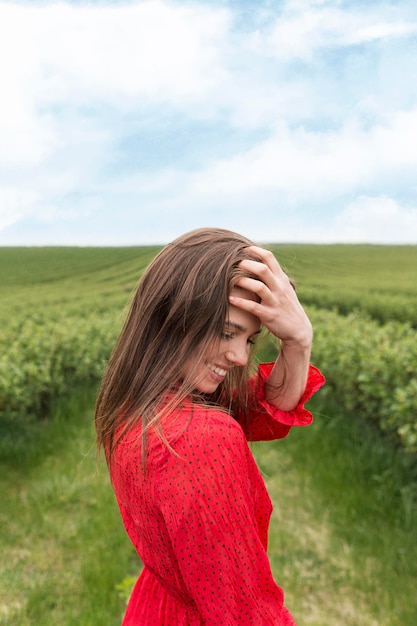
x=280 y=311
x=278 y=307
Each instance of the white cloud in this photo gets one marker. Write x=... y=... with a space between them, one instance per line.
x=305 y=27
x=304 y=164
x=59 y=58
x=79 y=80
x=376 y=220
x=153 y=49
x=14 y=205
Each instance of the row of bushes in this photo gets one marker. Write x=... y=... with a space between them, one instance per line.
x=42 y=358
x=382 y=307
x=370 y=368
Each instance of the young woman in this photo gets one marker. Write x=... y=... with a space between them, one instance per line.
x=178 y=404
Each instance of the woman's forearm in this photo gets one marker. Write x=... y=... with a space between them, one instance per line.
x=288 y=378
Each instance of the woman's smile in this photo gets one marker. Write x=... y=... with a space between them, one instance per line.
x=232 y=350
x=217 y=370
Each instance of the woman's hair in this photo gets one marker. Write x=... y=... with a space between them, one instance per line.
x=179 y=307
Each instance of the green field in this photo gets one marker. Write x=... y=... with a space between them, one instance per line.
x=63 y=281
x=343 y=539
x=380 y=280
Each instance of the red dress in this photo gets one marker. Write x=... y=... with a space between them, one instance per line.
x=199 y=520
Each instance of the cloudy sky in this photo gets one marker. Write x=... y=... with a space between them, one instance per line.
x=130 y=122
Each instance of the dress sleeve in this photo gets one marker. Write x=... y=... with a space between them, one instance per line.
x=264 y=421
x=207 y=498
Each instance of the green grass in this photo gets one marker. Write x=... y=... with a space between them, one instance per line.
x=342 y=539
x=68 y=280
x=378 y=279
x=62 y=545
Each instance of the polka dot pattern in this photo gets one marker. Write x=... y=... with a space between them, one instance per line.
x=199 y=518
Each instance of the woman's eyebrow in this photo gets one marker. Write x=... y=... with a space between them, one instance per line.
x=240 y=328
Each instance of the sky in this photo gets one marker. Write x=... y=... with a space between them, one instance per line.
x=131 y=122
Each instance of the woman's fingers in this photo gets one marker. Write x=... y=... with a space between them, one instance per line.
x=268 y=276
x=267 y=258
x=276 y=303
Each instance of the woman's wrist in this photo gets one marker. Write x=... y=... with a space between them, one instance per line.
x=300 y=343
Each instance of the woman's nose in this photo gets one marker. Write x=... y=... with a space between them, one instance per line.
x=238 y=354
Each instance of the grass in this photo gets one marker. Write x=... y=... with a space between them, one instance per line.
x=377 y=279
x=343 y=534
x=62 y=545
x=69 y=280
x=342 y=539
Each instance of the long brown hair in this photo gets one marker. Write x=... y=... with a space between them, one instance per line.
x=179 y=306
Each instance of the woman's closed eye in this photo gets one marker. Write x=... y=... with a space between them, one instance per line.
x=229 y=336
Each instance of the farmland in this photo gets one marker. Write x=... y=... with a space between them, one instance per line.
x=67 y=281
x=60 y=311
x=379 y=280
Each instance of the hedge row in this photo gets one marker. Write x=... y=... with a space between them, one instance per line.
x=42 y=358
x=370 y=368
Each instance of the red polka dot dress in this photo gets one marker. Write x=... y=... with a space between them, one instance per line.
x=199 y=518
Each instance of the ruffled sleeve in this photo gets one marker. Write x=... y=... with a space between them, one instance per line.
x=265 y=422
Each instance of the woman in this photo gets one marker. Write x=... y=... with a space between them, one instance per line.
x=176 y=408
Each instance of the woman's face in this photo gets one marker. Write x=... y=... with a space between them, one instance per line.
x=239 y=334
